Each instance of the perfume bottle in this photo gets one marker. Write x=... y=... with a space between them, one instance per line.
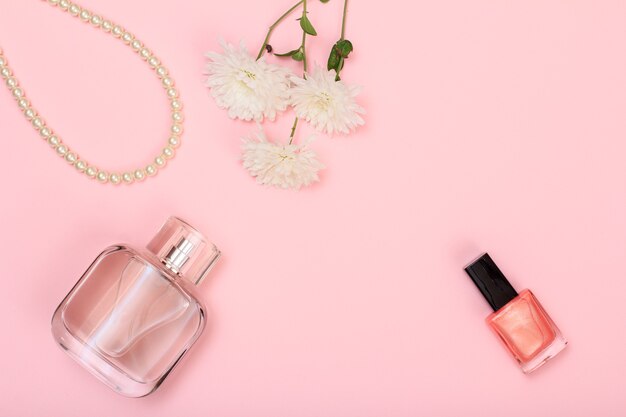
x=519 y=320
x=134 y=313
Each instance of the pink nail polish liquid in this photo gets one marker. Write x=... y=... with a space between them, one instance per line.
x=519 y=320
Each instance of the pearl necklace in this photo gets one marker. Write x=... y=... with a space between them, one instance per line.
x=64 y=151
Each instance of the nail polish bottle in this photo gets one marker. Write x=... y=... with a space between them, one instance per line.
x=519 y=320
x=135 y=313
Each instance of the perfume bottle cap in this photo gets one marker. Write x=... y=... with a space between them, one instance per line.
x=184 y=250
x=491 y=282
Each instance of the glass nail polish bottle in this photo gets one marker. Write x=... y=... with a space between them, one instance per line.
x=135 y=313
x=519 y=320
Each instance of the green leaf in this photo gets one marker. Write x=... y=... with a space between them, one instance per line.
x=324 y=1
x=307 y=26
x=333 y=60
x=298 y=56
x=340 y=51
x=344 y=47
x=290 y=53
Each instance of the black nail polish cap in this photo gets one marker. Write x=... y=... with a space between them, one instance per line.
x=491 y=282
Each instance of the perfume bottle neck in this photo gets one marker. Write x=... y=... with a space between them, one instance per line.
x=178 y=255
x=183 y=250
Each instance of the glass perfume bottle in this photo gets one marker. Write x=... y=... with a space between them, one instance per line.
x=519 y=320
x=134 y=313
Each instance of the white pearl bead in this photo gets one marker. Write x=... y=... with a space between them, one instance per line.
x=127 y=177
x=107 y=25
x=53 y=141
x=96 y=20
x=172 y=93
x=167 y=82
x=145 y=53
x=102 y=177
x=5 y=72
x=53 y=2
x=127 y=37
x=136 y=45
x=177 y=129
x=45 y=132
x=139 y=174
x=3 y=61
x=160 y=161
x=85 y=15
x=71 y=157
x=115 y=178
x=64 y=4
x=37 y=123
x=62 y=150
x=174 y=141
x=168 y=152
x=153 y=61
x=177 y=105
x=177 y=116
x=23 y=103
x=74 y=10
x=11 y=82
x=117 y=31
x=80 y=165
x=161 y=71
x=151 y=170
x=29 y=113
x=18 y=93
x=91 y=172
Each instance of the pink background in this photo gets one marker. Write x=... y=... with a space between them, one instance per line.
x=491 y=126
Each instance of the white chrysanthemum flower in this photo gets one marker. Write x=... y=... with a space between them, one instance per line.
x=285 y=166
x=327 y=104
x=249 y=89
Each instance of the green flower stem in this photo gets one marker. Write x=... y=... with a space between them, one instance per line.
x=343 y=35
x=273 y=26
x=343 y=20
x=293 y=130
x=304 y=66
x=302 y=45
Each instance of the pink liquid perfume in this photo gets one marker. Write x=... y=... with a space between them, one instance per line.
x=135 y=313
